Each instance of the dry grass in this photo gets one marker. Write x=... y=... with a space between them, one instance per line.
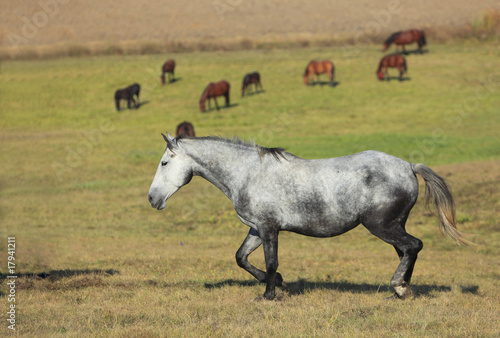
x=96 y=260
x=170 y=27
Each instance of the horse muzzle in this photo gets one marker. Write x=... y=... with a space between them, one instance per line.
x=157 y=203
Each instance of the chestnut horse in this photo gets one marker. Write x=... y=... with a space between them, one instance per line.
x=405 y=38
x=168 y=67
x=248 y=80
x=392 y=61
x=213 y=90
x=319 y=67
x=127 y=94
x=185 y=129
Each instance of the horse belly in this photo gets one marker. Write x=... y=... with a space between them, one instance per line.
x=321 y=228
x=314 y=216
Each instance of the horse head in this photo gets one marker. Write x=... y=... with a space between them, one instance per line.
x=306 y=78
x=380 y=75
x=174 y=171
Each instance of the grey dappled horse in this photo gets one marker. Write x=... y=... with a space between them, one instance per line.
x=273 y=190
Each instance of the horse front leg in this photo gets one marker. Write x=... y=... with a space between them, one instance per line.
x=252 y=242
x=216 y=105
x=270 y=242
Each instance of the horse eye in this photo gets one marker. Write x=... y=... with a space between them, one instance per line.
x=164 y=163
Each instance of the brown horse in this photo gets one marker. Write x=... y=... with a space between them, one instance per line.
x=319 y=67
x=251 y=78
x=168 y=67
x=213 y=90
x=405 y=38
x=392 y=61
x=185 y=129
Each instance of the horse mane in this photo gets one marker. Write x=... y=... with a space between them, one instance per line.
x=390 y=39
x=277 y=152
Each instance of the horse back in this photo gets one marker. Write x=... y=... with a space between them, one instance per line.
x=220 y=88
x=393 y=60
x=168 y=66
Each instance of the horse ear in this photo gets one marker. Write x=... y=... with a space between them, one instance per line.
x=171 y=141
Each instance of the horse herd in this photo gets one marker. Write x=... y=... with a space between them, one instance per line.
x=314 y=68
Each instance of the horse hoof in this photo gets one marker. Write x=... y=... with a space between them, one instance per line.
x=395 y=296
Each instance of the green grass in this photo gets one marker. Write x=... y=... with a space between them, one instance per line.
x=75 y=175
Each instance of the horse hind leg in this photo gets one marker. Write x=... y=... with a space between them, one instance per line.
x=407 y=248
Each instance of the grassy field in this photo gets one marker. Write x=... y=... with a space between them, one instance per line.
x=94 y=258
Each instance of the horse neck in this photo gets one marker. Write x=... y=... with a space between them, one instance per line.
x=204 y=95
x=224 y=164
x=380 y=64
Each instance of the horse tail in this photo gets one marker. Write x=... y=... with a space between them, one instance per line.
x=437 y=190
x=422 y=39
x=332 y=71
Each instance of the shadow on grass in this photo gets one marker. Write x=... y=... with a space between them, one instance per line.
x=325 y=83
x=416 y=52
x=389 y=78
x=254 y=93
x=177 y=79
x=222 y=107
x=301 y=286
x=59 y=274
x=142 y=103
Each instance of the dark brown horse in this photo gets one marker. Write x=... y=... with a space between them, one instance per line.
x=406 y=37
x=212 y=91
x=392 y=61
x=185 y=129
x=251 y=78
x=168 y=67
x=127 y=94
x=319 y=67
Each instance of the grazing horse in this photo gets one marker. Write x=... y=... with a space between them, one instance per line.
x=185 y=129
x=213 y=90
x=127 y=94
x=319 y=67
x=405 y=38
x=392 y=61
x=248 y=80
x=168 y=67
x=273 y=190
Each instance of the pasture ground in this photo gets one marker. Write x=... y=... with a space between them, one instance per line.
x=46 y=28
x=94 y=258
